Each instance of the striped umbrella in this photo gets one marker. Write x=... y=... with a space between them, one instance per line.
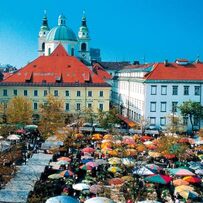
x=163 y=179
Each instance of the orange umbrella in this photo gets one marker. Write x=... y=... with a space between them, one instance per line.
x=97 y=136
x=108 y=137
x=145 y=138
x=113 y=152
x=106 y=145
x=64 y=159
x=136 y=137
x=130 y=152
x=79 y=135
x=141 y=148
x=154 y=154
x=151 y=147
x=179 y=182
x=169 y=156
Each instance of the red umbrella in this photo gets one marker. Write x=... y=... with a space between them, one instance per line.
x=169 y=156
x=145 y=138
x=64 y=159
x=88 y=150
x=86 y=167
x=192 y=179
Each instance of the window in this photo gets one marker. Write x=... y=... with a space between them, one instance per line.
x=175 y=90
x=56 y=93
x=35 y=106
x=152 y=120
x=163 y=90
x=43 y=46
x=163 y=106
x=153 y=106
x=83 y=47
x=5 y=93
x=89 y=93
x=45 y=93
x=72 y=52
x=101 y=93
x=153 y=89
x=78 y=106
x=78 y=93
x=25 y=92
x=89 y=105
x=35 y=93
x=186 y=90
x=67 y=107
x=174 y=106
x=101 y=107
x=67 y=93
x=162 y=121
x=15 y=92
x=197 y=90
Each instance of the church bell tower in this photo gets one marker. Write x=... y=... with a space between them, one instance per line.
x=84 y=40
x=44 y=29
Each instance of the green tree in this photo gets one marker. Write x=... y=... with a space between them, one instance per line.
x=191 y=109
x=19 y=110
x=51 y=116
x=108 y=119
x=174 y=124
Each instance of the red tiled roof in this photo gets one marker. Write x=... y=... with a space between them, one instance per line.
x=99 y=70
x=174 y=71
x=6 y=75
x=58 y=67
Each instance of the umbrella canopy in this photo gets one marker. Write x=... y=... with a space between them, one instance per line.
x=145 y=138
x=95 y=189
x=66 y=173
x=1 y=137
x=99 y=200
x=64 y=159
x=116 y=181
x=143 y=171
x=81 y=186
x=13 y=137
x=114 y=160
x=86 y=167
x=100 y=161
x=21 y=131
x=154 y=154
x=114 y=169
x=192 y=179
x=97 y=136
x=88 y=150
x=153 y=167
x=199 y=171
x=169 y=156
x=78 y=135
x=181 y=172
x=183 y=187
x=55 y=176
x=127 y=178
x=31 y=127
x=84 y=161
x=130 y=152
x=108 y=137
x=163 y=179
x=128 y=140
x=179 y=182
x=188 y=194
x=128 y=162
x=62 y=199
x=62 y=162
x=92 y=164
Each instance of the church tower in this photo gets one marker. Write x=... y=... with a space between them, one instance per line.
x=44 y=29
x=84 y=39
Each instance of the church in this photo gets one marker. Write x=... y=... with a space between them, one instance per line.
x=61 y=69
x=78 y=46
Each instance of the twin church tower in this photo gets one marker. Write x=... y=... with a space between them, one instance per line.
x=49 y=39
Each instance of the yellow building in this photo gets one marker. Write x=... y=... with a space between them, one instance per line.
x=63 y=76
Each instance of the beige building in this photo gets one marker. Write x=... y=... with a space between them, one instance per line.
x=63 y=76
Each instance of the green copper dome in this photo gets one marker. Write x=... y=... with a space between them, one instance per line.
x=61 y=32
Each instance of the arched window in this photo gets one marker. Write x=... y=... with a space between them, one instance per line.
x=43 y=46
x=72 y=52
x=83 y=47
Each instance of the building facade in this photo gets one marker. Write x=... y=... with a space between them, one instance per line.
x=63 y=76
x=154 y=91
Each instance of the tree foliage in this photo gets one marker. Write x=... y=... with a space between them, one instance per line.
x=108 y=119
x=51 y=116
x=175 y=124
x=191 y=109
x=19 y=110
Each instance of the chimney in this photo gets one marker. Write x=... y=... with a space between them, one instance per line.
x=136 y=63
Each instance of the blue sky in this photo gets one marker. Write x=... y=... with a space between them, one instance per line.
x=123 y=29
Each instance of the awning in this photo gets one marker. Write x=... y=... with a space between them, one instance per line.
x=129 y=122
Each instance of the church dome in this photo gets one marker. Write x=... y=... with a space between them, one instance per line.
x=61 y=32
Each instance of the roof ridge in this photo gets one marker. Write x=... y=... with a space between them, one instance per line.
x=59 y=51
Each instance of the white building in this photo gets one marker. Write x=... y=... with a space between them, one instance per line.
x=154 y=91
x=49 y=39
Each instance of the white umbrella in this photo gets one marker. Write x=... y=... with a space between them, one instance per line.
x=62 y=199
x=81 y=186
x=143 y=171
x=99 y=200
x=13 y=137
x=1 y=137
